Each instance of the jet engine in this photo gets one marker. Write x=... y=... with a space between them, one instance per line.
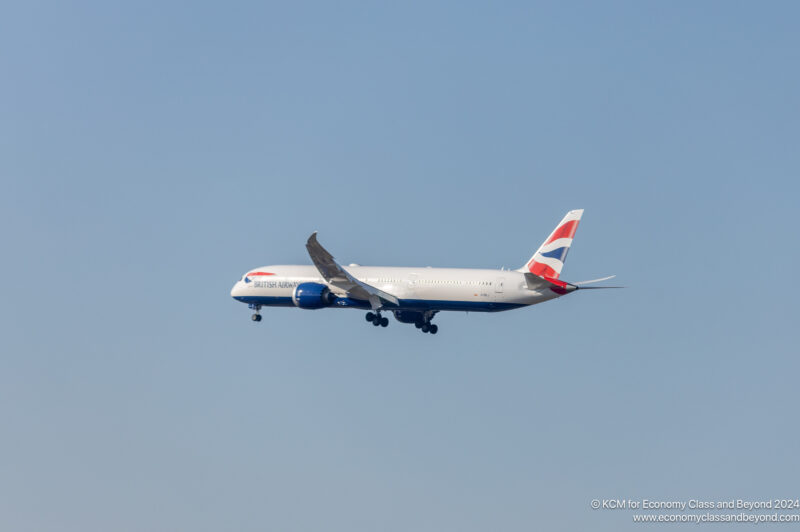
x=312 y=296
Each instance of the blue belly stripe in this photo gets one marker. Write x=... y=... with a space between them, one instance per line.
x=267 y=301
x=405 y=304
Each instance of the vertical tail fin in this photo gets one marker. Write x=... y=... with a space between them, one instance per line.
x=549 y=258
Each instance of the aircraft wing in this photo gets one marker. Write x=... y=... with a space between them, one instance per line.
x=337 y=276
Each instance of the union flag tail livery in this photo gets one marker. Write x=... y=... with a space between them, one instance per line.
x=412 y=295
x=549 y=258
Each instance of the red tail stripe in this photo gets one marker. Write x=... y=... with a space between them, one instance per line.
x=560 y=284
x=259 y=273
x=543 y=270
x=565 y=231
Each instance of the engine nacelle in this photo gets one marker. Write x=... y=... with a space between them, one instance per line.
x=312 y=296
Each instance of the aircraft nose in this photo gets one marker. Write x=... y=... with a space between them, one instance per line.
x=236 y=291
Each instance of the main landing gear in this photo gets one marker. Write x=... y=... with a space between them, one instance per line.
x=256 y=316
x=376 y=319
x=427 y=326
x=420 y=318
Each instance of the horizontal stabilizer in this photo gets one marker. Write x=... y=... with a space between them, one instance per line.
x=581 y=283
x=535 y=282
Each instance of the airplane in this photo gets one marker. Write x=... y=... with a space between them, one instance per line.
x=413 y=295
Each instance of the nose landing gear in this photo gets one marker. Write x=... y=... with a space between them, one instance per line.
x=376 y=319
x=256 y=316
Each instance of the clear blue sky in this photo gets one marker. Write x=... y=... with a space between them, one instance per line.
x=151 y=152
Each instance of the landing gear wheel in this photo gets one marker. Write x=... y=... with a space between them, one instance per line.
x=370 y=316
x=376 y=322
x=425 y=328
x=418 y=324
x=256 y=317
x=384 y=321
x=434 y=328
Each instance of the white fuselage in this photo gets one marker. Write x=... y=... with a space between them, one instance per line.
x=417 y=289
